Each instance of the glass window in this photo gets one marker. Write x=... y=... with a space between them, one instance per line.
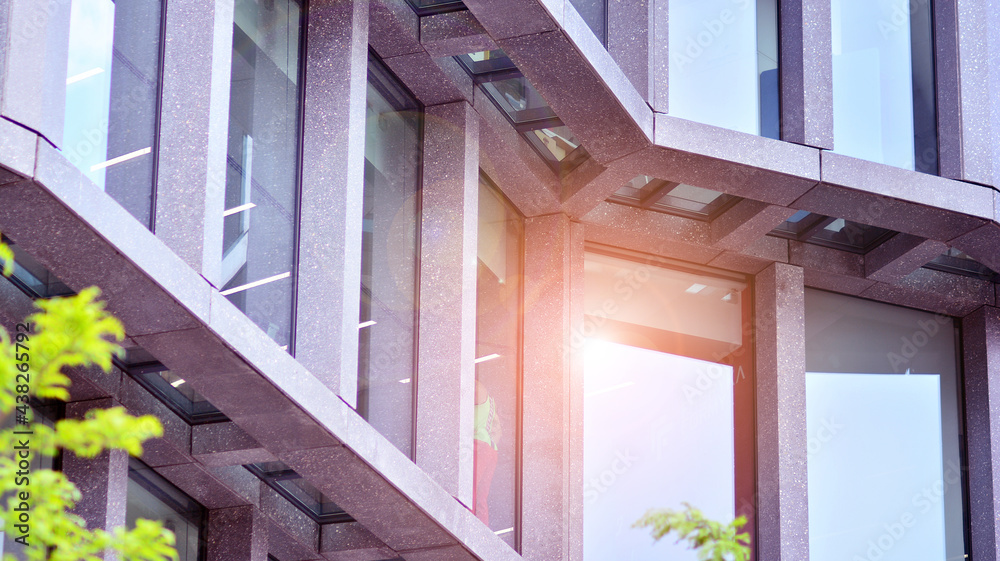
x=668 y=402
x=262 y=175
x=152 y=497
x=960 y=263
x=430 y=7
x=299 y=492
x=112 y=98
x=724 y=64
x=883 y=82
x=498 y=362
x=674 y=198
x=595 y=13
x=174 y=391
x=387 y=328
x=884 y=432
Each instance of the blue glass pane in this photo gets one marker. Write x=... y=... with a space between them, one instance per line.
x=112 y=97
x=723 y=61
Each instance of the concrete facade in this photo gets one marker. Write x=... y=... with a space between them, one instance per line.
x=299 y=405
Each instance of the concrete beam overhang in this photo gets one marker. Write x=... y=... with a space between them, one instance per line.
x=898 y=199
x=59 y=216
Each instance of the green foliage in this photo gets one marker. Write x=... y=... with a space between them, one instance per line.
x=65 y=332
x=714 y=541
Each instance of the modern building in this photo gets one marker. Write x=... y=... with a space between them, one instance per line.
x=487 y=279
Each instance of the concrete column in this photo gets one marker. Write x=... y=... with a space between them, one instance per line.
x=333 y=169
x=659 y=56
x=34 y=50
x=102 y=481
x=630 y=41
x=237 y=534
x=978 y=25
x=981 y=348
x=782 y=497
x=449 y=227
x=806 y=51
x=552 y=433
x=194 y=128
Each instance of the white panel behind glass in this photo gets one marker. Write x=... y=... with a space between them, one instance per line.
x=713 y=63
x=876 y=477
x=658 y=431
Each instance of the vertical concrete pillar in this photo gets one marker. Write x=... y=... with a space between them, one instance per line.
x=806 y=52
x=333 y=169
x=659 y=55
x=102 y=481
x=782 y=497
x=446 y=354
x=194 y=128
x=34 y=50
x=552 y=433
x=981 y=349
x=631 y=31
x=978 y=25
x=237 y=534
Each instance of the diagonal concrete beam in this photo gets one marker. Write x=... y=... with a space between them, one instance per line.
x=453 y=33
x=899 y=256
x=746 y=222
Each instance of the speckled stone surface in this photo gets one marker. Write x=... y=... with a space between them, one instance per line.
x=394 y=28
x=650 y=232
x=755 y=258
x=887 y=212
x=981 y=360
x=806 y=73
x=981 y=244
x=948 y=89
x=553 y=267
x=906 y=185
x=745 y=223
x=732 y=162
x=899 y=256
x=579 y=199
x=516 y=17
x=330 y=219
x=779 y=335
x=56 y=237
x=201 y=485
x=447 y=322
x=453 y=33
x=977 y=42
x=630 y=41
x=935 y=291
x=226 y=444
x=102 y=481
x=581 y=95
x=34 y=81
x=194 y=126
x=17 y=152
x=433 y=81
x=237 y=534
x=512 y=164
x=351 y=542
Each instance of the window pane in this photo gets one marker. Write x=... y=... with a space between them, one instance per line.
x=263 y=164
x=112 y=97
x=651 y=443
x=387 y=327
x=498 y=361
x=154 y=498
x=883 y=424
x=883 y=82
x=724 y=65
x=659 y=405
x=595 y=13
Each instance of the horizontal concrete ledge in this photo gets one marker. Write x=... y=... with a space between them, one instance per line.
x=174 y=313
x=732 y=162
